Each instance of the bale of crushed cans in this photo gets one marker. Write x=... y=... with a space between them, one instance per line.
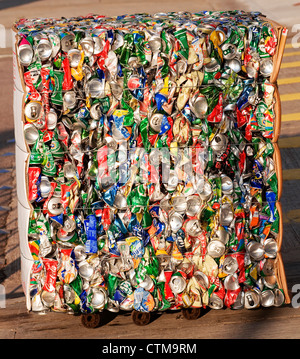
x=148 y=171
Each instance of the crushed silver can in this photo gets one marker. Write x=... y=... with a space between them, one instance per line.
x=252 y=298
x=215 y=248
x=215 y=302
x=267 y=298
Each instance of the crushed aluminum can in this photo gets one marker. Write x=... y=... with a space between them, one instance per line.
x=179 y=204
x=175 y=221
x=44 y=49
x=33 y=111
x=278 y=297
x=156 y=121
x=177 y=284
x=227 y=184
x=95 y=88
x=252 y=298
x=31 y=133
x=255 y=250
x=25 y=53
x=85 y=270
x=219 y=143
x=80 y=253
x=193 y=204
x=199 y=106
x=266 y=67
x=215 y=248
x=193 y=227
x=74 y=56
x=45 y=186
x=215 y=302
x=231 y=282
x=70 y=99
x=99 y=298
x=67 y=41
x=51 y=119
x=270 y=247
x=230 y=265
x=267 y=298
x=226 y=214
x=147 y=283
x=55 y=206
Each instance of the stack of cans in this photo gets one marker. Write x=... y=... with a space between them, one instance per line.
x=148 y=161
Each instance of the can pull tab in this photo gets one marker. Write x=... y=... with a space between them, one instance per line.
x=250 y=300
x=33 y=112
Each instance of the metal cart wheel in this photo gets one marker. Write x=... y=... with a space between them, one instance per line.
x=191 y=313
x=91 y=320
x=140 y=318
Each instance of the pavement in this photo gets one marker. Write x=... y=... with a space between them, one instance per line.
x=283 y=323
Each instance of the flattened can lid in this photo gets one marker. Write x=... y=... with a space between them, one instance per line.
x=227 y=184
x=179 y=204
x=25 y=52
x=193 y=205
x=69 y=224
x=215 y=248
x=175 y=221
x=202 y=279
x=80 y=253
x=177 y=284
x=219 y=143
x=231 y=282
x=271 y=248
x=48 y=298
x=278 y=297
x=267 y=298
x=51 y=119
x=252 y=299
x=33 y=111
x=70 y=99
x=193 y=227
x=215 y=302
x=96 y=88
x=44 y=49
x=55 y=206
x=226 y=214
x=266 y=66
x=45 y=186
x=74 y=56
x=230 y=265
x=31 y=133
x=229 y=51
x=200 y=106
x=256 y=250
x=86 y=271
x=99 y=298
x=156 y=121
x=67 y=41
